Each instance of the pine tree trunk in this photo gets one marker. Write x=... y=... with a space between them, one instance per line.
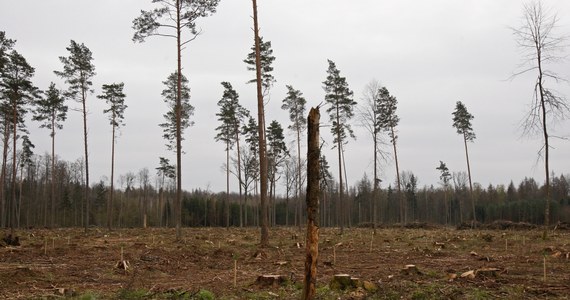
x=227 y=185
x=261 y=129
x=52 y=170
x=469 y=174
x=110 y=203
x=239 y=178
x=298 y=196
x=340 y=180
x=401 y=199
x=376 y=182
x=86 y=191
x=14 y=161
x=3 y=206
x=178 y=202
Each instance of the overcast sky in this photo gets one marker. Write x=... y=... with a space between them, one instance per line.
x=429 y=54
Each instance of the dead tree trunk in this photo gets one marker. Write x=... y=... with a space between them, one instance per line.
x=313 y=191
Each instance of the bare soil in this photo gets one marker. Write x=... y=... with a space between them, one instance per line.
x=68 y=263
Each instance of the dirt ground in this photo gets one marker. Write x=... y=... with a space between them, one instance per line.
x=67 y=263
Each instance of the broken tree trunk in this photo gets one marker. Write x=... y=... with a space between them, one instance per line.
x=312 y=248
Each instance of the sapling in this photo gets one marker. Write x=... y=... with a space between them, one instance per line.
x=235 y=258
x=334 y=255
x=544 y=267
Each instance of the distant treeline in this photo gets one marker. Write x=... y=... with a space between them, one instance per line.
x=142 y=197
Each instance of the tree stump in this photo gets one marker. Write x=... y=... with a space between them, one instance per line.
x=344 y=282
x=410 y=270
x=271 y=280
x=11 y=240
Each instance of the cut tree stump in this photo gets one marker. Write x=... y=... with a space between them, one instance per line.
x=344 y=282
x=271 y=280
x=410 y=270
x=123 y=265
x=11 y=241
x=488 y=272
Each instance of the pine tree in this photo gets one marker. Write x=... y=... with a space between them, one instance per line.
x=52 y=111
x=115 y=98
x=259 y=70
x=462 y=122
x=6 y=45
x=78 y=70
x=18 y=94
x=445 y=178
x=295 y=103
x=266 y=60
x=340 y=110
x=388 y=120
x=170 y=96
x=231 y=116
x=169 y=20
x=276 y=154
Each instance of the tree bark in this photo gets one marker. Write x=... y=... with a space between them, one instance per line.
x=86 y=192
x=261 y=129
x=5 y=141
x=341 y=211
x=298 y=196
x=313 y=191
x=178 y=205
x=227 y=204
x=239 y=176
x=376 y=179
x=401 y=199
x=110 y=203
x=52 y=169
x=546 y=145
x=469 y=175
x=14 y=169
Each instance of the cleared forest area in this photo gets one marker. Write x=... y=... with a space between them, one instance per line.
x=216 y=263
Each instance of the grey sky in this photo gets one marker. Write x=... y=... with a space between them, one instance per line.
x=429 y=54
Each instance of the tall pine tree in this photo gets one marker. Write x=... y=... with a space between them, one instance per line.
x=115 y=98
x=169 y=20
x=18 y=93
x=341 y=109
x=78 y=70
x=388 y=120
x=462 y=122
x=295 y=103
x=52 y=111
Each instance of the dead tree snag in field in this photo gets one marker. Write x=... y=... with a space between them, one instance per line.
x=313 y=191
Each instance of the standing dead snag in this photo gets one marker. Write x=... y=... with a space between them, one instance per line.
x=313 y=190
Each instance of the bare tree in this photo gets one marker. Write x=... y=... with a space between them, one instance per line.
x=541 y=46
x=369 y=115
